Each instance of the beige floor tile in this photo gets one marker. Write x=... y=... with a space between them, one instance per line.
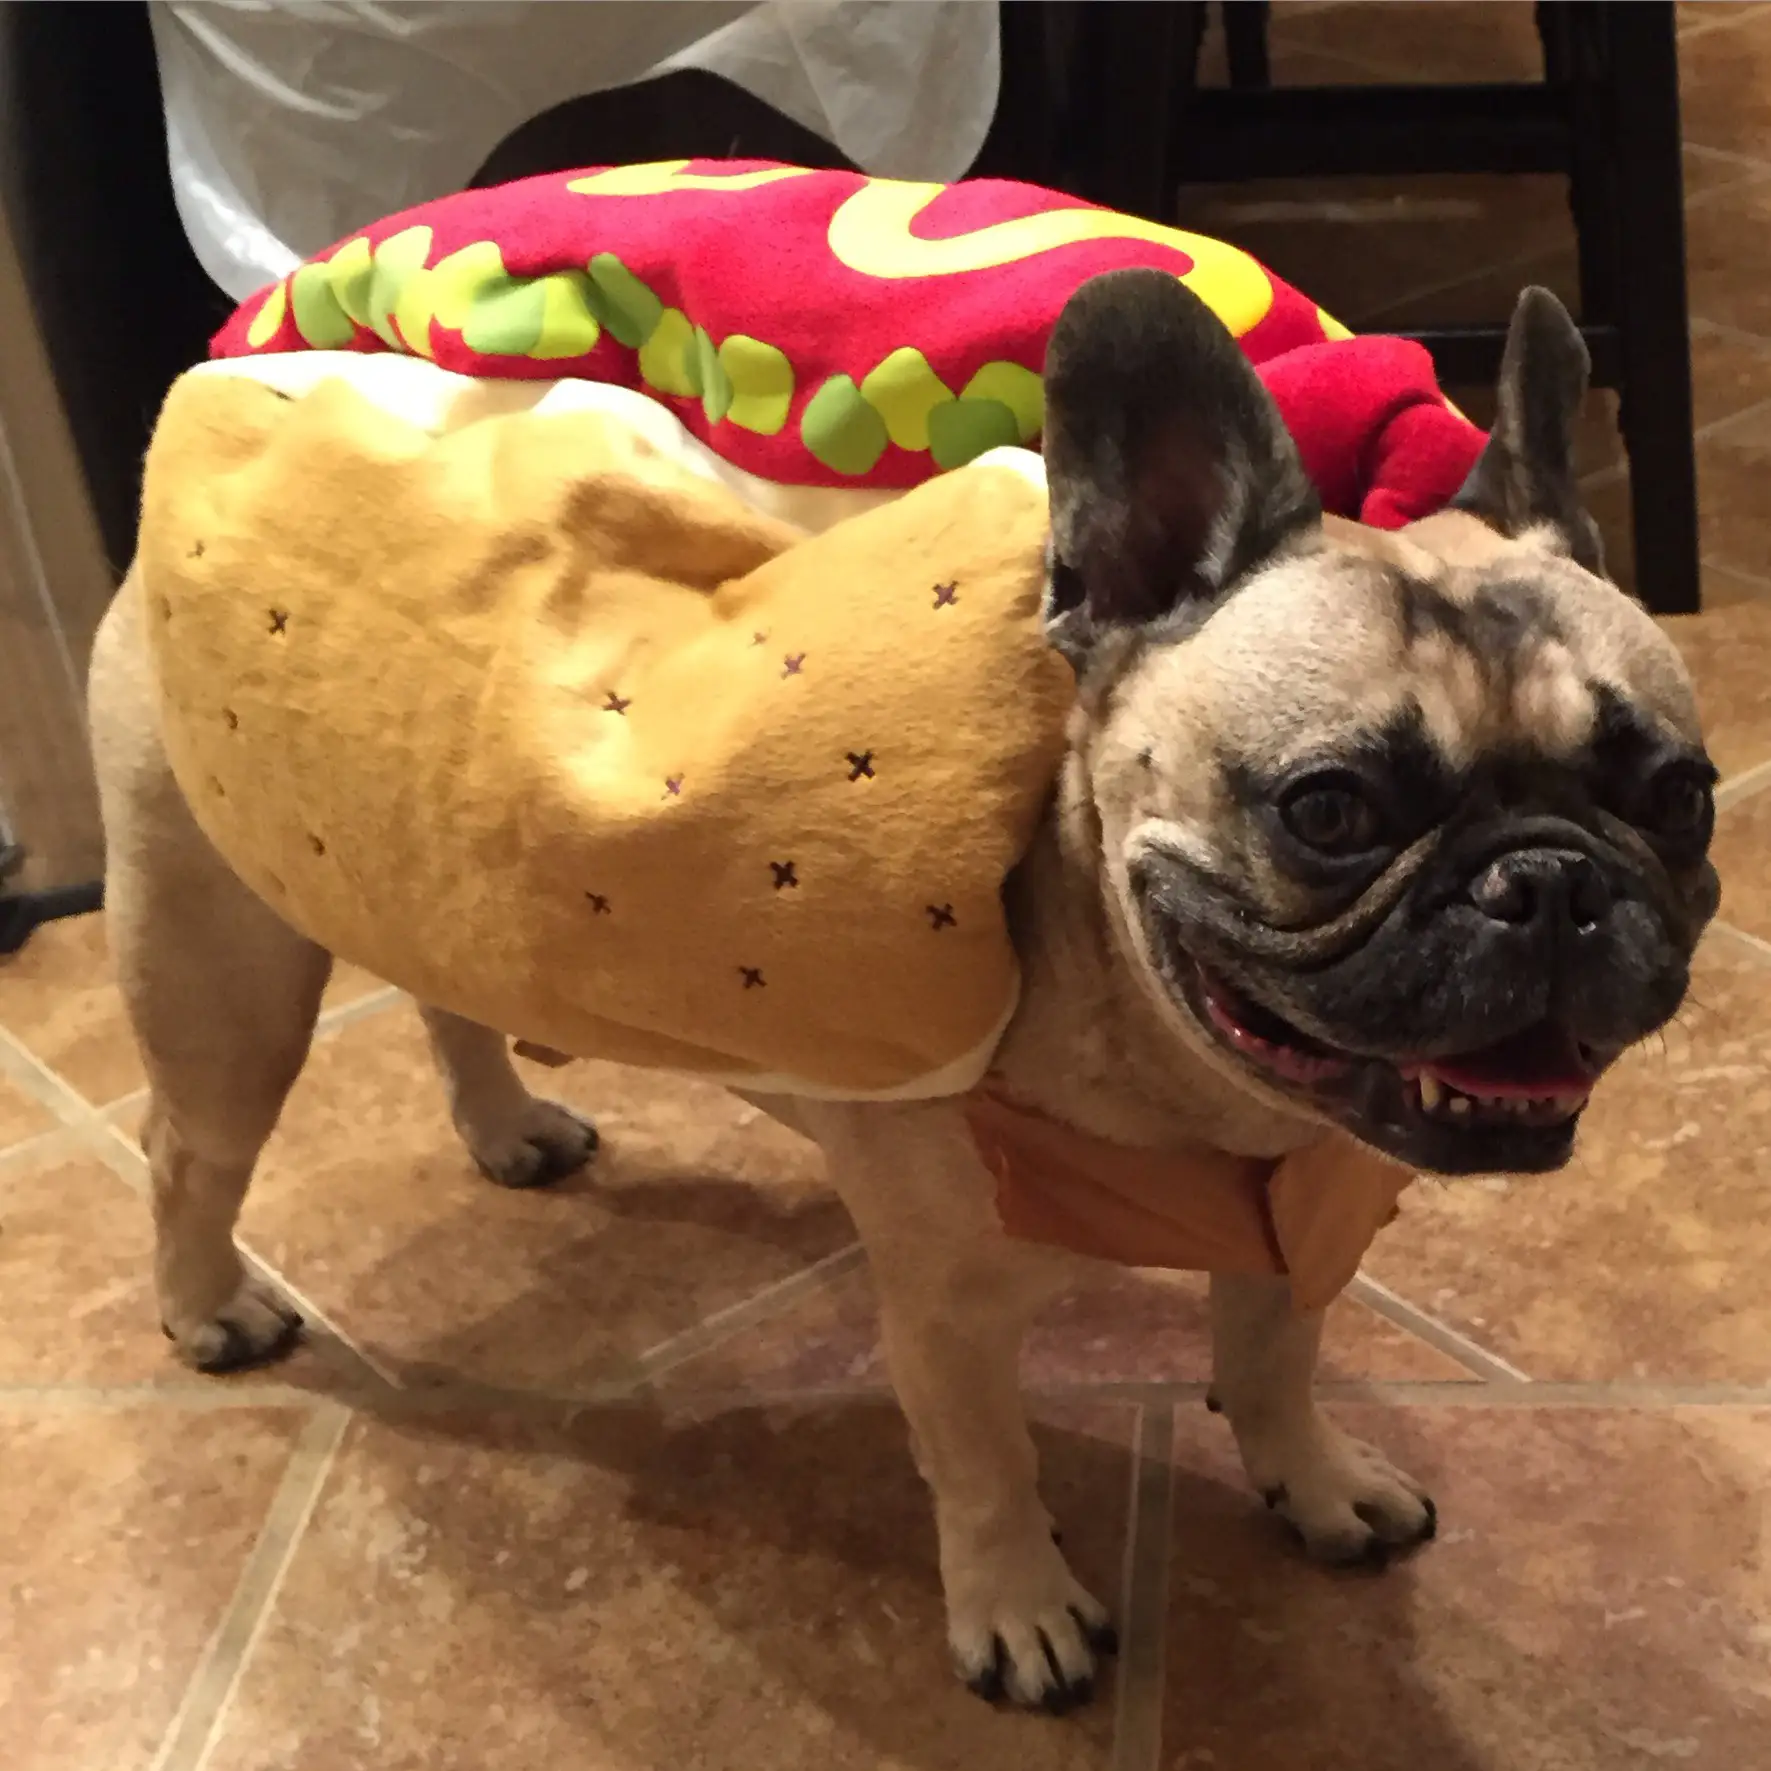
x=1599 y=1600
x=366 y=1200
x=1147 y=1328
x=1644 y=1258
x=58 y=997
x=1727 y=255
x=753 y=1589
x=1726 y=648
x=1725 y=81
x=1742 y=856
x=21 y=1116
x=1734 y=524
x=125 y=1531
x=1698 y=16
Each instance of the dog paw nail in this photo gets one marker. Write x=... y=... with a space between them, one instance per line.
x=988 y=1682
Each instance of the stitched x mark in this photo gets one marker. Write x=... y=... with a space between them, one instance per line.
x=616 y=703
x=196 y=552
x=785 y=875
x=759 y=639
x=946 y=595
x=793 y=664
x=753 y=978
x=860 y=763
x=599 y=905
x=673 y=787
x=941 y=917
x=279 y=620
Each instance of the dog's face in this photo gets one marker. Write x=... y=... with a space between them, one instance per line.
x=1409 y=831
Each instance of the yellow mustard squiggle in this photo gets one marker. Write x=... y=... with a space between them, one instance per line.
x=658 y=178
x=870 y=233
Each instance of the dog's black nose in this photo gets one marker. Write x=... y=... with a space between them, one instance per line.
x=1545 y=888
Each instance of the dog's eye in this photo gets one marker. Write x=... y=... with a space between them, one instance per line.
x=1680 y=804
x=1332 y=815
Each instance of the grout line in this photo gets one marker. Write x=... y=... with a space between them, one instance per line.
x=1733 y=334
x=26 y=1071
x=1718 y=18
x=708 y=1333
x=1727 y=156
x=1757 y=580
x=1618 y=471
x=1471 y=1355
x=41 y=1146
x=194 y=1730
x=1756 y=945
x=1743 y=786
x=189 y=1395
x=1705 y=433
x=1143 y=1604
x=359 y=1008
x=1439 y=286
x=217 y=1395
x=1641 y=1394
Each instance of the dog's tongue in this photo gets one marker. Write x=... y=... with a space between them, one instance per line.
x=1542 y=1061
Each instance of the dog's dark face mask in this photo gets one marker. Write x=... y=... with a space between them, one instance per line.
x=1409 y=831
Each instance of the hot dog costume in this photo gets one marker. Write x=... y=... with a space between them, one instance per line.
x=608 y=607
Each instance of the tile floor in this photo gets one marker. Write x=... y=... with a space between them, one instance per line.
x=605 y=1478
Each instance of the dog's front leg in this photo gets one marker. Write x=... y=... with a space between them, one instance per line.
x=955 y=1298
x=1345 y=1500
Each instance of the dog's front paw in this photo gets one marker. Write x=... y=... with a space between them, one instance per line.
x=1022 y=1628
x=544 y=1143
x=1347 y=1503
x=254 y=1327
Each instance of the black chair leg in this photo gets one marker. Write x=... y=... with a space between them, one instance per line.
x=1245 y=44
x=1655 y=345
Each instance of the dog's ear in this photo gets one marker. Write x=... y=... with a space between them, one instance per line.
x=1171 y=472
x=1524 y=477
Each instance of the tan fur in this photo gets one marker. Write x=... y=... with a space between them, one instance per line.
x=223 y=997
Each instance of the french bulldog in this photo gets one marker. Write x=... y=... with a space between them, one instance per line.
x=1397 y=835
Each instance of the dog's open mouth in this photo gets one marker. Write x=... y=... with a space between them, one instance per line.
x=1535 y=1080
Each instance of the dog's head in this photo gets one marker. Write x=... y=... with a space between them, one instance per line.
x=1410 y=831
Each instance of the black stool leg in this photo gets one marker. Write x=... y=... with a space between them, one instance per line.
x=1655 y=347
x=1245 y=44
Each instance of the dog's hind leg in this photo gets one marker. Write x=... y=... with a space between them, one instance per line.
x=222 y=996
x=517 y=1139
x=1345 y=1501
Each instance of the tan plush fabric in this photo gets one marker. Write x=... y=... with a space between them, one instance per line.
x=531 y=720
x=1312 y=1215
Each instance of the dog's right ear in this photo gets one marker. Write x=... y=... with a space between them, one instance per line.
x=1171 y=473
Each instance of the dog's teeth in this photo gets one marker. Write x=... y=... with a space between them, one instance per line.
x=1461 y=1104
x=1432 y=1091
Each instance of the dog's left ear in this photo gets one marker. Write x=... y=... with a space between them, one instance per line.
x=1171 y=473
x=1524 y=477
